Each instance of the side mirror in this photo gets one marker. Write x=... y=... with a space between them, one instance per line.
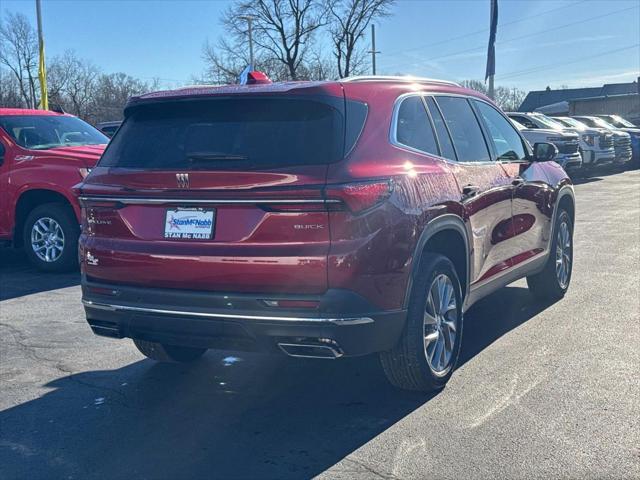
x=544 y=152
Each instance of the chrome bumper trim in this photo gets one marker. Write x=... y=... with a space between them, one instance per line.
x=259 y=318
x=203 y=201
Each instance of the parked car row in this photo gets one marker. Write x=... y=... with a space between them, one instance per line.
x=583 y=142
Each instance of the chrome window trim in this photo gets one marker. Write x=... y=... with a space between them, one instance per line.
x=235 y=316
x=202 y=201
x=393 y=131
x=394 y=120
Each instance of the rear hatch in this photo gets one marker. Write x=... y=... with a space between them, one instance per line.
x=221 y=193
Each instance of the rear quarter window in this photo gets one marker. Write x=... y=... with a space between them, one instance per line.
x=413 y=128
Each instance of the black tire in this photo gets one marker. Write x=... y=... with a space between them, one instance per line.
x=547 y=284
x=168 y=353
x=64 y=216
x=406 y=365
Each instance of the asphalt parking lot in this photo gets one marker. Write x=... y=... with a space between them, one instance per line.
x=543 y=390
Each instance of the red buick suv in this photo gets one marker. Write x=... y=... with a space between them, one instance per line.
x=318 y=219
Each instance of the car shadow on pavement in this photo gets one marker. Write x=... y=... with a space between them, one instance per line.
x=583 y=180
x=225 y=416
x=495 y=316
x=19 y=278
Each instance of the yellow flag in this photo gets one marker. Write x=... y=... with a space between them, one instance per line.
x=42 y=67
x=42 y=74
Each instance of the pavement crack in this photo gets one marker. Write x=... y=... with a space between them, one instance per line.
x=31 y=352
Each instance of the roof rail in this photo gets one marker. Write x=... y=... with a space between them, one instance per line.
x=401 y=78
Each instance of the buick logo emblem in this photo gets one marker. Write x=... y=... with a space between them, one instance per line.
x=182 y=179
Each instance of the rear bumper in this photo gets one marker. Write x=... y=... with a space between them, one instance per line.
x=344 y=320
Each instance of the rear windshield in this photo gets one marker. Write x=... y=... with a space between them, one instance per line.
x=228 y=134
x=42 y=132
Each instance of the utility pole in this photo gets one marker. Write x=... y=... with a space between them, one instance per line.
x=42 y=70
x=249 y=20
x=373 y=50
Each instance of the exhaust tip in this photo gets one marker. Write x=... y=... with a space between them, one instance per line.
x=311 y=350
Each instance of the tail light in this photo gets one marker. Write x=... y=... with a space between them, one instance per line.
x=97 y=213
x=360 y=196
x=355 y=197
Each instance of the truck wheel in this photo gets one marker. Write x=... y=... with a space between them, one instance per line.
x=168 y=353
x=553 y=281
x=428 y=349
x=50 y=236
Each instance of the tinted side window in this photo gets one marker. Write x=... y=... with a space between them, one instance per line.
x=524 y=121
x=413 y=128
x=507 y=142
x=464 y=128
x=444 y=138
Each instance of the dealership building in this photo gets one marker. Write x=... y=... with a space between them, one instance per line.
x=613 y=98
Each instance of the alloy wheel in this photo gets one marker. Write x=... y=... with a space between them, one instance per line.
x=440 y=325
x=563 y=254
x=47 y=239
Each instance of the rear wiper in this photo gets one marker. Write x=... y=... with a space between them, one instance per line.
x=213 y=156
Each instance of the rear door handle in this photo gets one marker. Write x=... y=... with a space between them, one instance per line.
x=469 y=191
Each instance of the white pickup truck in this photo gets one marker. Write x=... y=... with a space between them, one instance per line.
x=566 y=142
x=596 y=144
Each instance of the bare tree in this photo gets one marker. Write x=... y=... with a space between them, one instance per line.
x=10 y=94
x=112 y=93
x=19 y=54
x=477 y=85
x=348 y=21
x=223 y=63
x=282 y=29
x=73 y=83
x=320 y=67
x=507 y=98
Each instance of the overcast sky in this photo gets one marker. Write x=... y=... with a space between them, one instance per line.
x=539 y=43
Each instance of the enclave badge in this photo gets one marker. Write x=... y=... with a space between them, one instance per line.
x=183 y=180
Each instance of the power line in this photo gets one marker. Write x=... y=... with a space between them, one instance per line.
x=502 y=42
x=477 y=32
x=519 y=73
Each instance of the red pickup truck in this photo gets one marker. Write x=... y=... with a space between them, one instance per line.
x=43 y=154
